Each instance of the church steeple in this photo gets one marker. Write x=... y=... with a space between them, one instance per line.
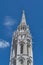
x=21 y=49
x=23 y=20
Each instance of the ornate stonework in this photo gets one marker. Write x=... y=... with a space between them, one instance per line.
x=21 y=49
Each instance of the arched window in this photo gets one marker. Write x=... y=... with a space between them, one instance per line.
x=28 y=62
x=21 y=61
x=27 y=51
x=21 y=49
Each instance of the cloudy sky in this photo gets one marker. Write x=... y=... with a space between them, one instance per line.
x=10 y=17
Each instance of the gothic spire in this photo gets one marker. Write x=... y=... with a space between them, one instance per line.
x=23 y=21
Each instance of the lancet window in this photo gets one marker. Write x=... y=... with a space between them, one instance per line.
x=21 y=49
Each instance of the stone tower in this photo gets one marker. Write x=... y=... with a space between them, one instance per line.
x=21 y=49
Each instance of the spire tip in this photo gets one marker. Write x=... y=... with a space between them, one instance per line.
x=23 y=21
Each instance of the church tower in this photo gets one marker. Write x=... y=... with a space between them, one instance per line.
x=21 y=49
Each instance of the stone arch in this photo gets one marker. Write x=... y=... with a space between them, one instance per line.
x=21 y=60
x=29 y=61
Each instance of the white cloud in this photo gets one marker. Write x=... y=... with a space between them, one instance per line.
x=4 y=44
x=9 y=21
x=9 y=24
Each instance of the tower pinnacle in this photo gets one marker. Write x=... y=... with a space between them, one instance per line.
x=23 y=21
x=21 y=49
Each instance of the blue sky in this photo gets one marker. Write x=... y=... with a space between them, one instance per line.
x=10 y=17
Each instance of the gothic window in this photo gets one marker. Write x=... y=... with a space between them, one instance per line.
x=28 y=42
x=21 y=49
x=21 y=61
x=27 y=50
x=28 y=62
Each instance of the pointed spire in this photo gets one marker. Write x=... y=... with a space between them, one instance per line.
x=23 y=21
